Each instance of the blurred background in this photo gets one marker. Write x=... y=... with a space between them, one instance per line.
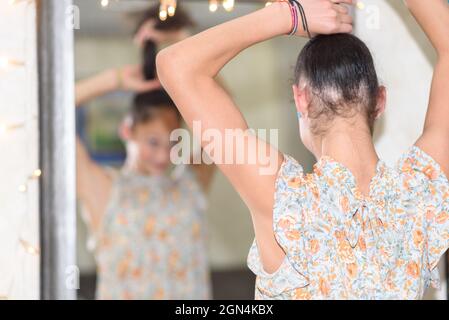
x=260 y=82
x=259 y=79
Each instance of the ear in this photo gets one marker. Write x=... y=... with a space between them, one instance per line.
x=301 y=100
x=381 y=101
x=125 y=130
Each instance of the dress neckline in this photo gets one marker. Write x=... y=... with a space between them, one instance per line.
x=342 y=172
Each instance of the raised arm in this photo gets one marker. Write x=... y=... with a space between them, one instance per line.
x=433 y=16
x=187 y=70
x=93 y=182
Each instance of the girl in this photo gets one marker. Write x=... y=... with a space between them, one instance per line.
x=354 y=228
x=148 y=225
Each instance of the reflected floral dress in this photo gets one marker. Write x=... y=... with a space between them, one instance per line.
x=151 y=244
x=340 y=244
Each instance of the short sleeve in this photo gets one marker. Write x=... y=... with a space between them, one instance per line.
x=273 y=286
x=288 y=219
x=286 y=227
x=432 y=186
x=188 y=183
x=287 y=223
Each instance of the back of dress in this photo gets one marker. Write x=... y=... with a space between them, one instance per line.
x=340 y=244
x=152 y=242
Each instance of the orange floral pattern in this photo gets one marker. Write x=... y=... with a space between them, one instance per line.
x=151 y=244
x=340 y=244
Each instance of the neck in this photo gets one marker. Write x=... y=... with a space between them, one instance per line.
x=131 y=166
x=351 y=146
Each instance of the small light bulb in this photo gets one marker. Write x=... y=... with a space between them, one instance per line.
x=104 y=3
x=23 y=188
x=228 y=5
x=29 y=248
x=37 y=173
x=163 y=15
x=268 y=4
x=171 y=11
x=4 y=62
x=213 y=5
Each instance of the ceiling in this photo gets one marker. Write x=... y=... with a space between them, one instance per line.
x=117 y=18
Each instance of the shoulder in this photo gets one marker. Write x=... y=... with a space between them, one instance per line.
x=422 y=180
x=186 y=180
x=184 y=175
x=420 y=169
x=289 y=194
x=112 y=173
x=290 y=175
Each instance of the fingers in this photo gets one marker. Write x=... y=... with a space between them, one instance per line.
x=347 y=19
x=146 y=32
x=343 y=1
x=340 y=9
x=344 y=18
x=345 y=28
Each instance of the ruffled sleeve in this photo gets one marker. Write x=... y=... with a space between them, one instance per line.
x=430 y=184
x=188 y=184
x=274 y=285
x=287 y=228
x=288 y=223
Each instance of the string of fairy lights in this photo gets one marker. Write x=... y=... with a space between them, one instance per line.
x=168 y=7
x=9 y=65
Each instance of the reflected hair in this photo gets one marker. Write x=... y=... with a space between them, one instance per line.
x=179 y=21
x=147 y=105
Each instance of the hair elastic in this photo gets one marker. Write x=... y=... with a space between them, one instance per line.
x=293 y=15
x=300 y=9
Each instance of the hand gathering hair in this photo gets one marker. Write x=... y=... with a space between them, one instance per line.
x=146 y=104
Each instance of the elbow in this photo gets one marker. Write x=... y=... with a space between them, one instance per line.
x=163 y=65
x=169 y=66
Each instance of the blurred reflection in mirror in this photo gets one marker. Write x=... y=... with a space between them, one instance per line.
x=146 y=218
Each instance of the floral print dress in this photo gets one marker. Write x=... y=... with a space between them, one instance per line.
x=151 y=244
x=340 y=244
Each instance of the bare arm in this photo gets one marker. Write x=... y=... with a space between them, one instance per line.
x=205 y=173
x=188 y=69
x=433 y=16
x=93 y=182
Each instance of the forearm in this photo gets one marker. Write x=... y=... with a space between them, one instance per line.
x=96 y=86
x=86 y=90
x=433 y=16
x=206 y=53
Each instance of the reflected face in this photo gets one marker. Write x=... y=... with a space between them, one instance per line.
x=149 y=144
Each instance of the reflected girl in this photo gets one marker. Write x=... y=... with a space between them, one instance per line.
x=147 y=223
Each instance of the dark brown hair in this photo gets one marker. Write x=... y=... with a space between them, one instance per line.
x=340 y=74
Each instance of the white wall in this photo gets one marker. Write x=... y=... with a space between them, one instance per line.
x=19 y=237
x=404 y=60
